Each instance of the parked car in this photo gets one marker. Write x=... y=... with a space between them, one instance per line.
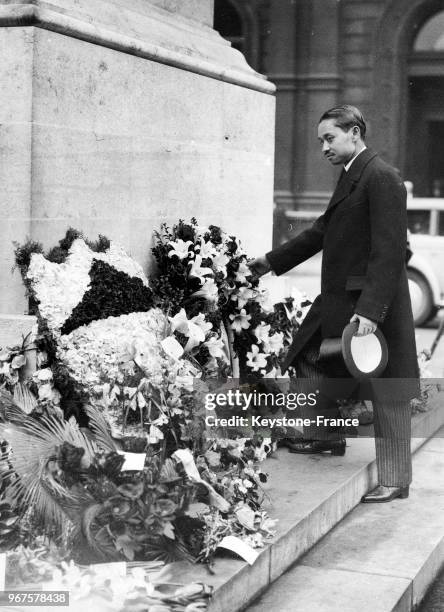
x=426 y=267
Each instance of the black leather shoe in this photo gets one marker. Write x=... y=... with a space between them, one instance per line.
x=385 y=494
x=306 y=447
x=288 y=442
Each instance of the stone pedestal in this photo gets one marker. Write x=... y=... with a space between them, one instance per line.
x=115 y=119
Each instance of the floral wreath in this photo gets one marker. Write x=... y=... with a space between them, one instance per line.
x=205 y=285
x=128 y=349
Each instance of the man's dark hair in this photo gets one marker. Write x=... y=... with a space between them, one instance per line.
x=346 y=117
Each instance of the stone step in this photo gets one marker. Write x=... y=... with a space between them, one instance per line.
x=309 y=495
x=379 y=558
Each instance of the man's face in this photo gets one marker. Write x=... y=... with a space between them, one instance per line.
x=338 y=146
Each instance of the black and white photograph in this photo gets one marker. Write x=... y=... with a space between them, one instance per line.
x=221 y=305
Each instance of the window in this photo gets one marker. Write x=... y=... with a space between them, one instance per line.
x=431 y=35
x=419 y=221
x=228 y=23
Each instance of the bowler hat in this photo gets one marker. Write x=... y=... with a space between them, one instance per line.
x=364 y=356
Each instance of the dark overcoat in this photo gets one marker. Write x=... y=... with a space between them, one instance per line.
x=363 y=235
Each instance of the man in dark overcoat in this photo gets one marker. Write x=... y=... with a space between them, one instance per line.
x=363 y=236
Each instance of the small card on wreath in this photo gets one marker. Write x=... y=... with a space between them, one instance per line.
x=239 y=547
x=133 y=461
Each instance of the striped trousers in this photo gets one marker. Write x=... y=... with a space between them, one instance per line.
x=392 y=420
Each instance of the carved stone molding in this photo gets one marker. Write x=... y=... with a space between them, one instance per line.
x=154 y=34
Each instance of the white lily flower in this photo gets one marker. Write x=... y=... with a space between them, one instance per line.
x=275 y=343
x=195 y=329
x=198 y=328
x=197 y=271
x=220 y=263
x=206 y=249
x=209 y=291
x=179 y=322
x=129 y=391
x=255 y=359
x=180 y=248
x=262 y=332
x=155 y=435
x=201 y=322
x=243 y=295
x=216 y=347
x=242 y=272
x=195 y=337
x=240 y=321
x=265 y=300
x=161 y=420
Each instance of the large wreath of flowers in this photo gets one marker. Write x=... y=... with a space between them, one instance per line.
x=125 y=355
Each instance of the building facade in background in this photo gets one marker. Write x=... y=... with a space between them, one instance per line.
x=384 y=56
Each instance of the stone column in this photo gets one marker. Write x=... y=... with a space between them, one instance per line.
x=115 y=119
x=318 y=84
x=280 y=63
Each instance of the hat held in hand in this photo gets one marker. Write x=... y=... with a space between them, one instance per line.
x=364 y=356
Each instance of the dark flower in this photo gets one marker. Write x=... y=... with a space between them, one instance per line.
x=165 y=507
x=185 y=232
x=111 y=464
x=120 y=507
x=70 y=457
x=132 y=490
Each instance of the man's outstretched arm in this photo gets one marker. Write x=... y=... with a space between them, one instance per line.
x=290 y=254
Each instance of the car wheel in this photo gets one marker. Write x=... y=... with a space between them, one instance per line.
x=421 y=297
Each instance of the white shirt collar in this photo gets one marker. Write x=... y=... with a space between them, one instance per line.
x=347 y=166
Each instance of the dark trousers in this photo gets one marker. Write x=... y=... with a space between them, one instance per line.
x=392 y=420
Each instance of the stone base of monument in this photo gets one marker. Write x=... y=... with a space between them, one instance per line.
x=311 y=495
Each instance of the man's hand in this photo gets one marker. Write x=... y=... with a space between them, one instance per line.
x=366 y=326
x=259 y=266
